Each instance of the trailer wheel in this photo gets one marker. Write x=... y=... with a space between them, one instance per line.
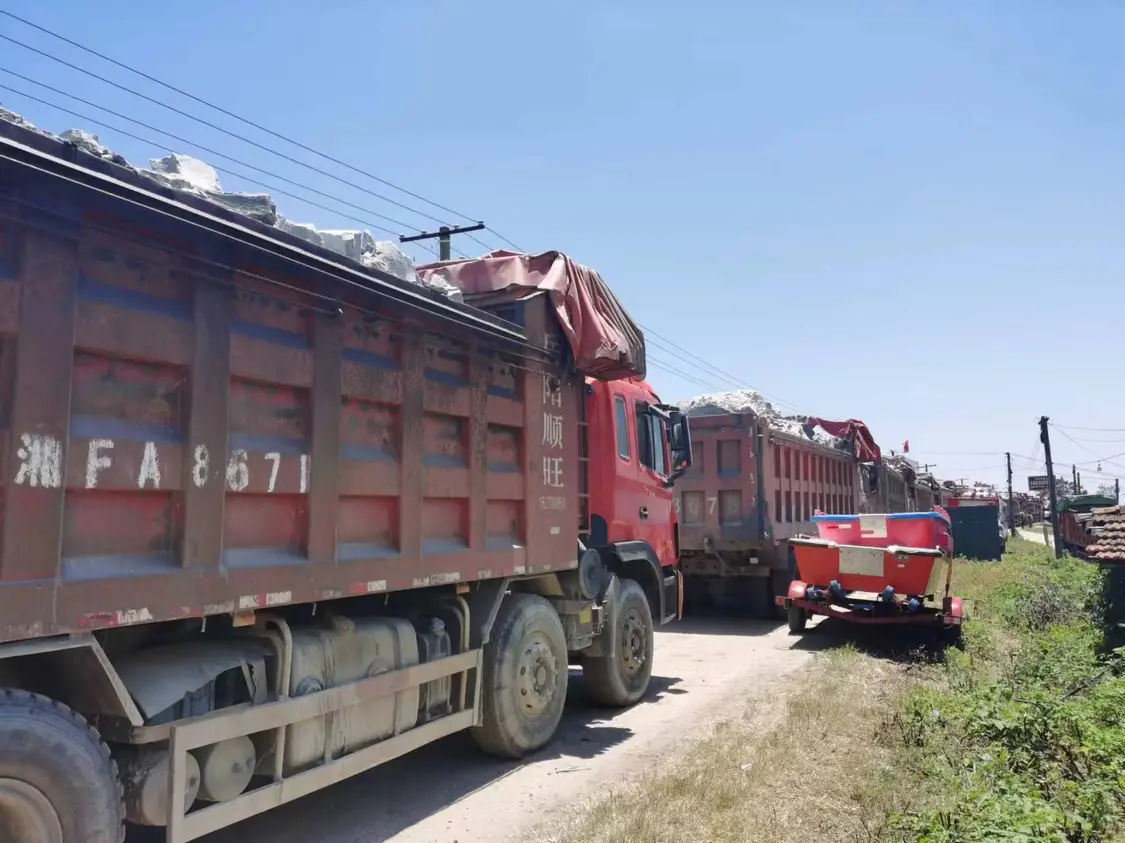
x=951 y=636
x=58 y=782
x=525 y=678
x=621 y=679
x=798 y=618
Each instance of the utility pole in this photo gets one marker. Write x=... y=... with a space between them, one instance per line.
x=927 y=466
x=1074 y=479
x=1052 y=491
x=1011 y=504
x=442 y=234
x=1117 y=490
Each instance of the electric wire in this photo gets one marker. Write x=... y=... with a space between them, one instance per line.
x=219 y=128
x=236 y=174
x=675 y=371
x=329 y=305
x=235 y=116
x=1062 y=427
x=658 y=363
x=702 y=365
x=1106 y=460
x=339 y=272
x=262 y=128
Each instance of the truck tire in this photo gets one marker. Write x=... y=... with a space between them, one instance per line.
x=621 y=679
x=525 y=678
x=759 y=597
x=58 y=782
x=780 y=579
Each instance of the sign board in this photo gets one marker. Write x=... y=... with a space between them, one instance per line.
x=1038 y=483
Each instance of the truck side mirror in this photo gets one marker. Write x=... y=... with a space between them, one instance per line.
x=679 y=443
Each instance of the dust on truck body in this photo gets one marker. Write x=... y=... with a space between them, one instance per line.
x=749 y=489
x=270 y=518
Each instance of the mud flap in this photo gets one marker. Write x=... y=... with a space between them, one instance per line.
x=673 y=597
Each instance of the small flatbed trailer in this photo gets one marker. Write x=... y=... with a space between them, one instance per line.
x=863 y=575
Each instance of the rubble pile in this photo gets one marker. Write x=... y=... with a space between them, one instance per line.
x=752 y=401
x=190 y=175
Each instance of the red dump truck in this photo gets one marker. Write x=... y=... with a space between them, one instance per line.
x=750 y=488
x=270 y=518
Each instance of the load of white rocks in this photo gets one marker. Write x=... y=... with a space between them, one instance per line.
x=182 y=172
x=752 y=401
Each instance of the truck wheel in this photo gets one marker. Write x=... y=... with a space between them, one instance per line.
x=621 y=679
x=780 y=580
x=797 y=618
x=58 y=783
x=525 y=678
x=759 y=597
x=951 y=636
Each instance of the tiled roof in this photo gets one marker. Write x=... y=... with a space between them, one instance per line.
x=1108 y=528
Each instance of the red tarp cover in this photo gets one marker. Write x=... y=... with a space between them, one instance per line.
x=854 y=431
x=605 y=341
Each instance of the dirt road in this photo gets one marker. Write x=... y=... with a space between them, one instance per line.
x=448 y=792
x=1034 y=536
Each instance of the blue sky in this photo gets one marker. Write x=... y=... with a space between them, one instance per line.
x=905 y=212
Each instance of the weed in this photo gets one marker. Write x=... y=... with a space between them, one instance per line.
x=1019 y=738
x=1025 y=740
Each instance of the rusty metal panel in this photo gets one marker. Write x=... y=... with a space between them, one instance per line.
x=718 y=500
x=39 y=415
x=723 y=500
x=190 y=428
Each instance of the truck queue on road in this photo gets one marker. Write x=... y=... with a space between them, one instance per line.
x=271 y=517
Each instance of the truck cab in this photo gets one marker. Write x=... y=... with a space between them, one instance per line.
x=634 y=449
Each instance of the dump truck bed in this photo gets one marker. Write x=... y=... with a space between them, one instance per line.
x=749 y=486
x=202 y=414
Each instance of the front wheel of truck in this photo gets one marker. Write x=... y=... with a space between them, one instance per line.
x=525 y=678
x=621 y=678
x=58 y=783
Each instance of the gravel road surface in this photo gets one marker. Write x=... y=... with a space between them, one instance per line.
x=448 y=792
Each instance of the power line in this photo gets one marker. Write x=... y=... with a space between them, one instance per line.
x=1062 y=427
x=233 y=115
x=963 y=453
x=234 y=173
x=1100 y=459
x=1100 y=441
x=350 y=277
x=675 y=371
x=701 y=364
x=663 y=343
x=984 y=467
x=668 y=350
x=704 y=365
x=659 y=364
x=260 y=127
x=502 y=237
x=218 y=128
x=1106 y=460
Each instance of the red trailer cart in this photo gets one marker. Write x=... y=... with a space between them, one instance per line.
x=876 y=569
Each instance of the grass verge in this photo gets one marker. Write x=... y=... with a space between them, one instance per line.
x=1019 y=737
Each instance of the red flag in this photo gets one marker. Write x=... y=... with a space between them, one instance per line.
x=906 y=447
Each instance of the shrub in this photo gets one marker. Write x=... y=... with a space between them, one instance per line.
x=1027 y=742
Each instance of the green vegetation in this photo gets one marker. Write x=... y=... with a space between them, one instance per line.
x=1022 y=736
x=1018 y=736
